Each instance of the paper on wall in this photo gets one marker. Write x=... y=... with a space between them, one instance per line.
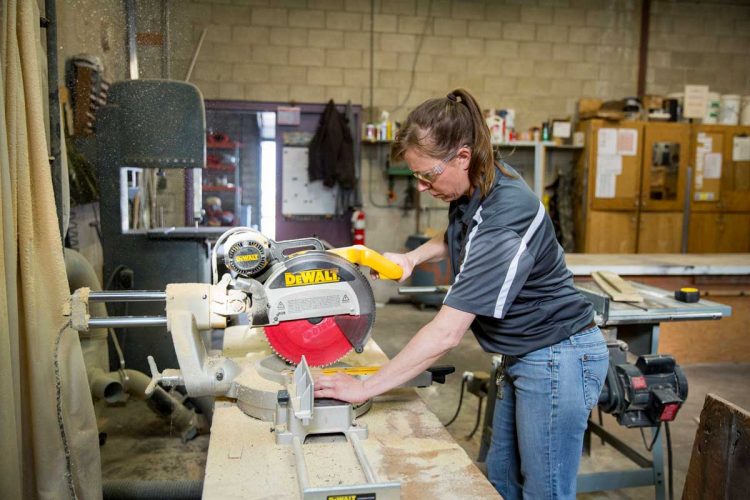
x=627 y=141
x=741 y=149
x=607 y=141
x=605 y=185
x=712 y=166
x=696 y=101
x=609 y=164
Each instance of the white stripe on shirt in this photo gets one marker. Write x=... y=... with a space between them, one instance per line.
x=505 y=289
x=478 y=219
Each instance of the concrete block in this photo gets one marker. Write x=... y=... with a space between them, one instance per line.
x=394 y=79
x=436 y=45
x=465 y=9
x=231 y=90
x=586 y=35
x=212 y=71
x=502 y=48
x=344 y=21
x=472 y=83
x=517 y=67
x=687 y=59
x=485 y=65
x=437 y=82
x=500 y=87
x=344 y=94
x=248 y=72
x=336 y=5
x=519 y=31
x=269 y=17
x=251 y=34
x=467 y=46
x=288 y=74
x=386 y=60
x=270 y=54
x=194 y=11
x=345 y=58
x=536 y=15
x=424 y=62
x=452 y=64
x=659 y=58
x=566 y=88
x=210 y=90
x=498 y=11
x=412 y=25
x=357 y=40
x=533 y=86
x=287 y=4
x=386 y=98
x=357 y=6
x=602 y=18
x=569 y=17
x=734 y=45
x=325 y=76
x=218 y=33
x=550 y=69
x=537 y=51
x=402 y=7
x=567 y=52
x=267 y=92
x=450 y=27
x=620 y=37
x=582 y=71
x=290 y=37
x=384 y=23
x=307 y=93
x=306 y=56
x=552 y=33
x=326 y=39
x=357 y=78
x=393 y=42
x=306 y=18
x=230 y=52
x=230 y=14
x=485 y=29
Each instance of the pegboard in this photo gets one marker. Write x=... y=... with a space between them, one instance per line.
x=299 y=195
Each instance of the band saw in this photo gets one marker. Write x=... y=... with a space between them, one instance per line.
x=292 y=305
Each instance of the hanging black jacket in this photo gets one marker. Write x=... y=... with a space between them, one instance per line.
x=331 y=155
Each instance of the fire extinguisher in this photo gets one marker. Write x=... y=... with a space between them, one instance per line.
x=358 y=227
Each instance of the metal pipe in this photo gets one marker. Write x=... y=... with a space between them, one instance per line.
x=128 y=296
x=643 y=48
x=127 y=322
x=195 y=55
x=366 y=468
x=50 y=14
x=132 y=46
x=408 y=290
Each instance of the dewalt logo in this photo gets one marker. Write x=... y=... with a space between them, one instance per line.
x=247 y=257
x=312 y=277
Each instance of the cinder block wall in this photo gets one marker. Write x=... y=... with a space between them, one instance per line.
x=538 y=57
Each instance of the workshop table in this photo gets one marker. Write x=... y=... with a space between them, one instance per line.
x=406 y=443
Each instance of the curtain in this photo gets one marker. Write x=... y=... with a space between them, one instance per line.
x=49 y=445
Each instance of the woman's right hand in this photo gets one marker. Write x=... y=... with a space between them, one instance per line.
x=402 y=260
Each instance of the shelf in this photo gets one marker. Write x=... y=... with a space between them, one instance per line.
x=399 y=171
x=223 y=146
x=209 y=189
x=221 y=167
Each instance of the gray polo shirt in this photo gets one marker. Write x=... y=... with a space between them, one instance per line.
x=509 y=270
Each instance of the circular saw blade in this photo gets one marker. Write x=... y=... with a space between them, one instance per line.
x=321 y=343
x=325 y=340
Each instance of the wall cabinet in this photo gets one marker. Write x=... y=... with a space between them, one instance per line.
x=632 y=180
x=681 y=188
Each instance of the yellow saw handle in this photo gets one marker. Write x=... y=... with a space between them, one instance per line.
x=360 y=254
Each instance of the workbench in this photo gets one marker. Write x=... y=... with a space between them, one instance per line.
x=406 y=443
x=583 y=264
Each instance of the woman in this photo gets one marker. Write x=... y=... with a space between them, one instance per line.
x=512 y=288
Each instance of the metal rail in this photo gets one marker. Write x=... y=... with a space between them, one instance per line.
x=128 y=296
x=127 y=322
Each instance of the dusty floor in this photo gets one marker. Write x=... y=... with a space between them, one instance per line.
x=141 y=446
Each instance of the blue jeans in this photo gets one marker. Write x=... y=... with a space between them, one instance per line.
x=538 y=426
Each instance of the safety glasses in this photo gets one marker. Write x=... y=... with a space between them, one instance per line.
x=429 y=176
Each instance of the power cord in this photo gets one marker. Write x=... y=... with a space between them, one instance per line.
x=669 y=460
x=464 y=379
x=479 y=419
x=653 y=441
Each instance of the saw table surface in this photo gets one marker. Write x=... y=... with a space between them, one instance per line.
x=406 y=443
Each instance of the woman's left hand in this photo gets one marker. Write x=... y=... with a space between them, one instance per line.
x=342 y=387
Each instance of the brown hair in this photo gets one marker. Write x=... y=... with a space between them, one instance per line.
x=438 y=127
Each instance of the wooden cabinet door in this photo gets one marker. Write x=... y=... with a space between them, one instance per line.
x=614 y=179
x=666 y=147
x=660 y=232
x=611 y=232
x=703 y=236
x=733 y=233
x=735 y=178
x=706 y=191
